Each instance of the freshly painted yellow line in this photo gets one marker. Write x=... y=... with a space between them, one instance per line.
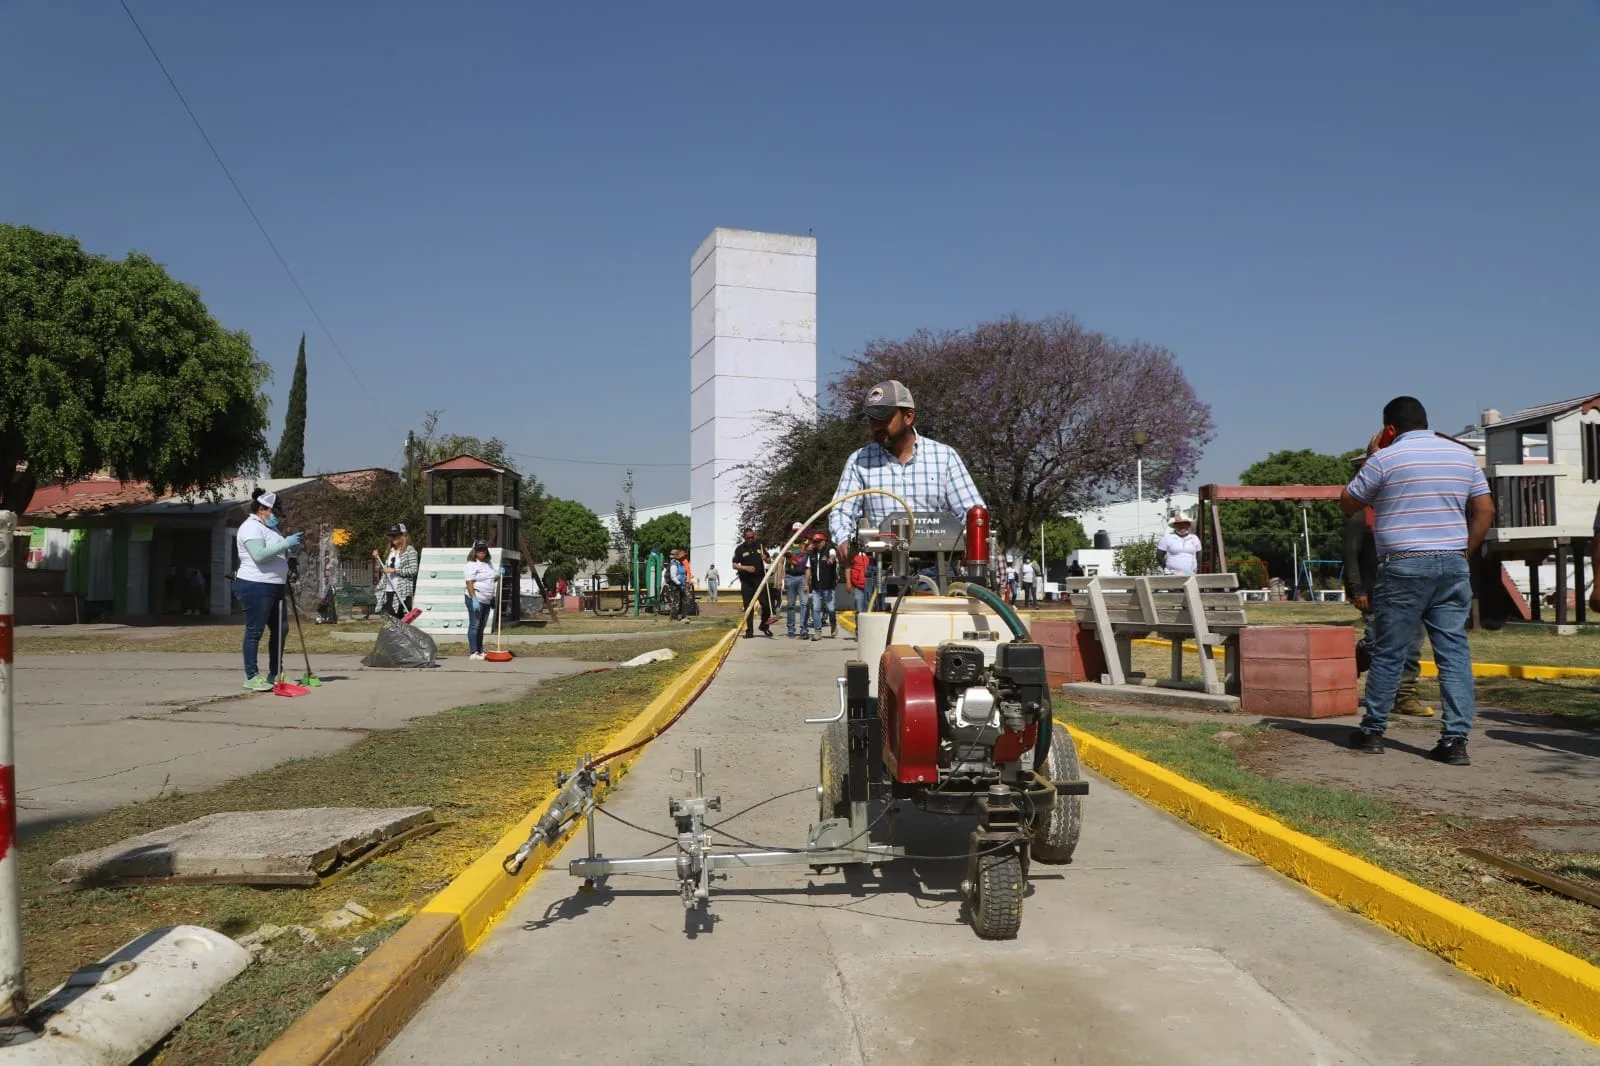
x=1527 y=673
x=370 y=1004
x=1561 y=985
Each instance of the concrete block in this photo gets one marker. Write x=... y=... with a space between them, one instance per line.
x=1298 y=703
x=237 y=844
x=1298 y=676
x=1071 y=652
x=1297 y=642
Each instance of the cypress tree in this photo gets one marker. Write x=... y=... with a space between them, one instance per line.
x=290 y=458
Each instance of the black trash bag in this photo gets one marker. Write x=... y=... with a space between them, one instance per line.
x=401 y=645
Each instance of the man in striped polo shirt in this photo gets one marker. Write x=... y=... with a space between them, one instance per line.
x=1431 y=510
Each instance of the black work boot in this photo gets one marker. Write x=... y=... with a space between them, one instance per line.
x=1452 y=751
x=1366 y=742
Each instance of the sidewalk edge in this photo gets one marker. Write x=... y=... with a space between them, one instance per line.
x=1560 y=985
x=371 y=1003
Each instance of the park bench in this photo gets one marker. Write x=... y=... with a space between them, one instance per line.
x=1205 y=608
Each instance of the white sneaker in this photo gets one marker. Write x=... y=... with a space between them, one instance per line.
x=476 y=655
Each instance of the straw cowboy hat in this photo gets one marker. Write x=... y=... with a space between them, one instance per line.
x=1180 y=518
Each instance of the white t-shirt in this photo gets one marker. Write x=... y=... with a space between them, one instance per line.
x=392 y=563
x=273 y=571
x=1027 y=573
x=483 y=578
x=1182 y=551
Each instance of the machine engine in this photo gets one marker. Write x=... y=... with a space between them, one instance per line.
x=964 y=715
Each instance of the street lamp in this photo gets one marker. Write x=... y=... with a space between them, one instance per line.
x=1140 y=439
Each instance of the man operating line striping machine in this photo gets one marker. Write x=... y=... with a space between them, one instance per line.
x=952 y=715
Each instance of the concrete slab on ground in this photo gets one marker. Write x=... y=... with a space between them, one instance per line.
x=1157 y=945
x=96 y=731
x=1150 y=696
x=304 y=840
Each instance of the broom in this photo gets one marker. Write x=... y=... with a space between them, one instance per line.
x=499 y=655
x=310 y=680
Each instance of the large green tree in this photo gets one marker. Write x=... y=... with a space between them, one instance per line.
x=1275 y=531
x=109 y=364
x=290 y=458
x=566 y=534
x=664 y=532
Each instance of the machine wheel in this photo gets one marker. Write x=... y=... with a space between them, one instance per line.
x=834 y=771
x=998 y=885
x=1055 y=832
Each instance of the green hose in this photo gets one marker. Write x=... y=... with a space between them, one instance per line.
x=1018 y=630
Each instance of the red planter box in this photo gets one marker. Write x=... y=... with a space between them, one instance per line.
x=1071 y=652
x=1298 y=671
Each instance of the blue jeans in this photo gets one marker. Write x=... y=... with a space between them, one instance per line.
x=860 y=596
x=478 y=615
x=263 y=610
x=1434 y=591
x=822 y=608
x=792 y=598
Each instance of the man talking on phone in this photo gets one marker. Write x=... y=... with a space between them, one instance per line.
x=1431 y=510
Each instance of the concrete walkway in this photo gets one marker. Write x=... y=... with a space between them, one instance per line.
x=97 y=731
x=523 y=638
x=1157 y=946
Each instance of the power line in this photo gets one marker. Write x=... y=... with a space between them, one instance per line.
x=590 y=462
x=243 y=199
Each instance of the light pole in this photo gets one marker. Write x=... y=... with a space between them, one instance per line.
x=1140 y=439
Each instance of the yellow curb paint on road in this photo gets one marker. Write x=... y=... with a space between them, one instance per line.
x=360 y=1014
x=1556 y=983
x=1516 y=670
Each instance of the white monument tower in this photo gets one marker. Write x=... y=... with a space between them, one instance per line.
x=753 y=329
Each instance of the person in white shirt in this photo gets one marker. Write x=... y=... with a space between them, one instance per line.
x=1178 y=551
x=259 y=584
x=1029 y=578
x=483 y=584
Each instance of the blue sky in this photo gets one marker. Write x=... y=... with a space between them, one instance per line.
x=493 y=205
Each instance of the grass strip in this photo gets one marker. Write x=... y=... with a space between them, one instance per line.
x=481 y=767
x=1418 y=845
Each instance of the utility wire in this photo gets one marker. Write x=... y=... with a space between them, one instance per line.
x=243 y=199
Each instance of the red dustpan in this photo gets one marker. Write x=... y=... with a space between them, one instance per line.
x=499 y=655
x=285 y=688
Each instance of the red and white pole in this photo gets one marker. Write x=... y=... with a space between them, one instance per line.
x=13 y=993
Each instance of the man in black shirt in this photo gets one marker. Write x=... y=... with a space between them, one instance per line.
x=822 y=578
x=749 y=563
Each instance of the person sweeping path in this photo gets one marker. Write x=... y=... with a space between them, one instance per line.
x=399 y=573
x=483 y=583
x=259 y=586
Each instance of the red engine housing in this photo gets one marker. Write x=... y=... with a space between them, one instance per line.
x=908 y=708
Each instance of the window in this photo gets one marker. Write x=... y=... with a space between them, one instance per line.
x=1591 y=450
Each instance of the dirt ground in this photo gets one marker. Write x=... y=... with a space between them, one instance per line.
x=1527 y=770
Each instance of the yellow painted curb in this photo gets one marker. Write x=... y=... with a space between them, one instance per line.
x=361 y=1013
x=1517 y=670
x=1561 y=985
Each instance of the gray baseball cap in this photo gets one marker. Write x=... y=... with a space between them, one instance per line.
x=885 y=396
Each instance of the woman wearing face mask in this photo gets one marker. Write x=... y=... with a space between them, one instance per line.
x=259 y=586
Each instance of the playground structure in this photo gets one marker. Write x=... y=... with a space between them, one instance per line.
x=640 y=595
x=1213 y=548
x=452 y=527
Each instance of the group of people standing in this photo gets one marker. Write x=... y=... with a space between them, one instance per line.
x=808 y=578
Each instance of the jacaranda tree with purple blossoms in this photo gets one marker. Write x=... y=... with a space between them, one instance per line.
x=1043 y=412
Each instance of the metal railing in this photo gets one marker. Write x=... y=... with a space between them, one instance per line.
x=1525 y=500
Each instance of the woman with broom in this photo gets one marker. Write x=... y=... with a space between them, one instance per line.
x=483 y=583
x=258 y=585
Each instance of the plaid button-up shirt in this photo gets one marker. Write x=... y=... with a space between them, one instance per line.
x=934 y=479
